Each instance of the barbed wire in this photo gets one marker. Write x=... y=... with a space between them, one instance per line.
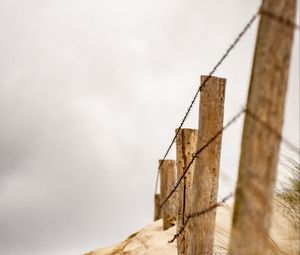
x=260 y=11
x=280 y=19
x=197 y=214
x=211 y=140
x=224 y=56
x=223 y=201
x=217 y=134
x=233 y=120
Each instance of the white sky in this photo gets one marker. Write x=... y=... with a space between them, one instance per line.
x=91 y=93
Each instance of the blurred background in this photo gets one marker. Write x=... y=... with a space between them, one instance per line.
x=91 y=93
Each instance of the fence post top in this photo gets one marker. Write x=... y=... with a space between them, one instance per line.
x=170 y=161
x=186 y=130
x=202 y=77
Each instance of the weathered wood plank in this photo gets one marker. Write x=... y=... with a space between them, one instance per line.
x=167 y=183
x=186 y=143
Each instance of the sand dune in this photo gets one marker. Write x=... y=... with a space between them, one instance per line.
x=153 y=240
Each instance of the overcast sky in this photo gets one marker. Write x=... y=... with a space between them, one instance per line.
x=91 y=93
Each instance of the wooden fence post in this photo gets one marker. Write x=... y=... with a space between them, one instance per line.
x=167 y=183
x=259 y=149
x=186 y=143
x=206 y=173
x=157 y=211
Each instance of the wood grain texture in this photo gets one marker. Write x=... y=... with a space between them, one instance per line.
x=186 y=144
x=206 y=173
x=260 y=148
x=157 y=211
x=167 y=183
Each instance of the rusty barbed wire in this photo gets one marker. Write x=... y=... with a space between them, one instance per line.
x=212 y=139
x=223 y=201
x=245 y=110
x=197 y=214
x=260 y=11
x=280 y=19
x=225 y=55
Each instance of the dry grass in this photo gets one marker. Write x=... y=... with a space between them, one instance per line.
x=289 y=195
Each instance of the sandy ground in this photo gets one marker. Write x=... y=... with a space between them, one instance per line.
x=153 y=240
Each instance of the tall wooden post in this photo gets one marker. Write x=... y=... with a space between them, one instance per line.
x=167 y=183
x=206 y=173
x=186 y=143
x=259 y=149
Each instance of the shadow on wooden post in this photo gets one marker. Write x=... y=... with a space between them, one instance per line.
x=206 y=173
x=167 y=183
x=186 y=143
